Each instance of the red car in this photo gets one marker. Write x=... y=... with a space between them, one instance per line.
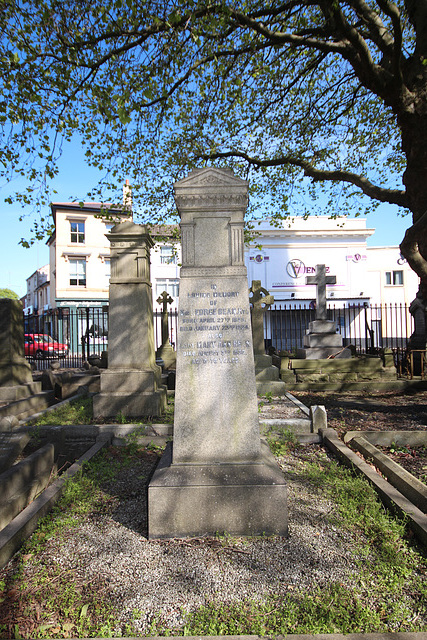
x=40 y=345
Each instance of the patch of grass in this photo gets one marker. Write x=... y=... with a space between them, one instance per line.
x=331 y=608
x=78 y=411
x=49 y=601
x=392 y=570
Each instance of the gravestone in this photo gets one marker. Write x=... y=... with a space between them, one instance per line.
x=321 y=340
x=266 y=374
x=417 y=341
x=166 y=351
x=218 y=476
x=132 y=383
x=14 y=368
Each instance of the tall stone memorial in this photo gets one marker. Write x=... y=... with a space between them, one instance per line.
x=218 y=475
x=132 y=383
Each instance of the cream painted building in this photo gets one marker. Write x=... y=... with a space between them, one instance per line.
x=79 y=255
x=391 y=279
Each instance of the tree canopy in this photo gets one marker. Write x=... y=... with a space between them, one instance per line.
x=298 y=96
x=8 y=293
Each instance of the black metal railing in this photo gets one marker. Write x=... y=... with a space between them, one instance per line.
x=368 y=328
x=84 y=332
x=76 y=335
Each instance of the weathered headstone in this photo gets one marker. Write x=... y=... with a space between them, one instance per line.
x=266 y=374
x=132 y=383
x=166 y=351
x=14 y=369
x=321 y=340
x=218 y=476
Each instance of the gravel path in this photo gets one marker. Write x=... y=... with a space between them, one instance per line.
x=145 y=578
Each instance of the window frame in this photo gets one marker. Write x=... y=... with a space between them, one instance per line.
x=72 y=261
x=80 y=236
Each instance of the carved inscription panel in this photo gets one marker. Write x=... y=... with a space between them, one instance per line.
x=214 y=327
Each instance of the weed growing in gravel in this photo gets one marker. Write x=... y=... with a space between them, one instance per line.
x=281 y=441
x=390 y=592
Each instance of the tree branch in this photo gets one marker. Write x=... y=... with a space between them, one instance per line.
x=393 y=196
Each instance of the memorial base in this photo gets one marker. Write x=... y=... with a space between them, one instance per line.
x=187 y=500
x=131 y=393
x=267 y=377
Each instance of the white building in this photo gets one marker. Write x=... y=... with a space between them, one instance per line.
x=37 y=298
x=290 y=253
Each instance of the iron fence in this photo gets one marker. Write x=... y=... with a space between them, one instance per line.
x=84 y=332
x=368 y=328
x=76 y=335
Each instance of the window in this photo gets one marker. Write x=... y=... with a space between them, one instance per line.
x=77 y=232
x=171 y=286
x=394 y=277
x=107 y=271
x=78 y=272
x=167 y=255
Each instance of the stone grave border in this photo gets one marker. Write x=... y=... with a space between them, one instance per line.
x=394 y=498
x=398 y=491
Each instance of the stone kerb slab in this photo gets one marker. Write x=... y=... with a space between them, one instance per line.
x=218 y=476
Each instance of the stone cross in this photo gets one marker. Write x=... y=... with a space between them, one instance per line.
x=163 y=300
x=260 y=300
x=321 y=280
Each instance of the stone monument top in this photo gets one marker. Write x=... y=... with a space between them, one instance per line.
x=321 y=280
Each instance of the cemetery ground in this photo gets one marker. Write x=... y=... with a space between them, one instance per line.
x=347 y=566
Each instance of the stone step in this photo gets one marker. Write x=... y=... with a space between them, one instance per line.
x=16 y=392
x=26 y=407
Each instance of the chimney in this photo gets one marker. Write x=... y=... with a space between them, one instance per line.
x=127 y=197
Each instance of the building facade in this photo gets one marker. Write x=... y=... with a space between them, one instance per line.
x=79 y=255
x=37 y=298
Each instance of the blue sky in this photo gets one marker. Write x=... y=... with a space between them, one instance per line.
x=75 y=178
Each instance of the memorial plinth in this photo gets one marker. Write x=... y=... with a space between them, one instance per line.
x=132 y=383
x=218 y=476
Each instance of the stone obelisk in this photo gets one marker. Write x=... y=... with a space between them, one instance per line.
x=218 y=475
